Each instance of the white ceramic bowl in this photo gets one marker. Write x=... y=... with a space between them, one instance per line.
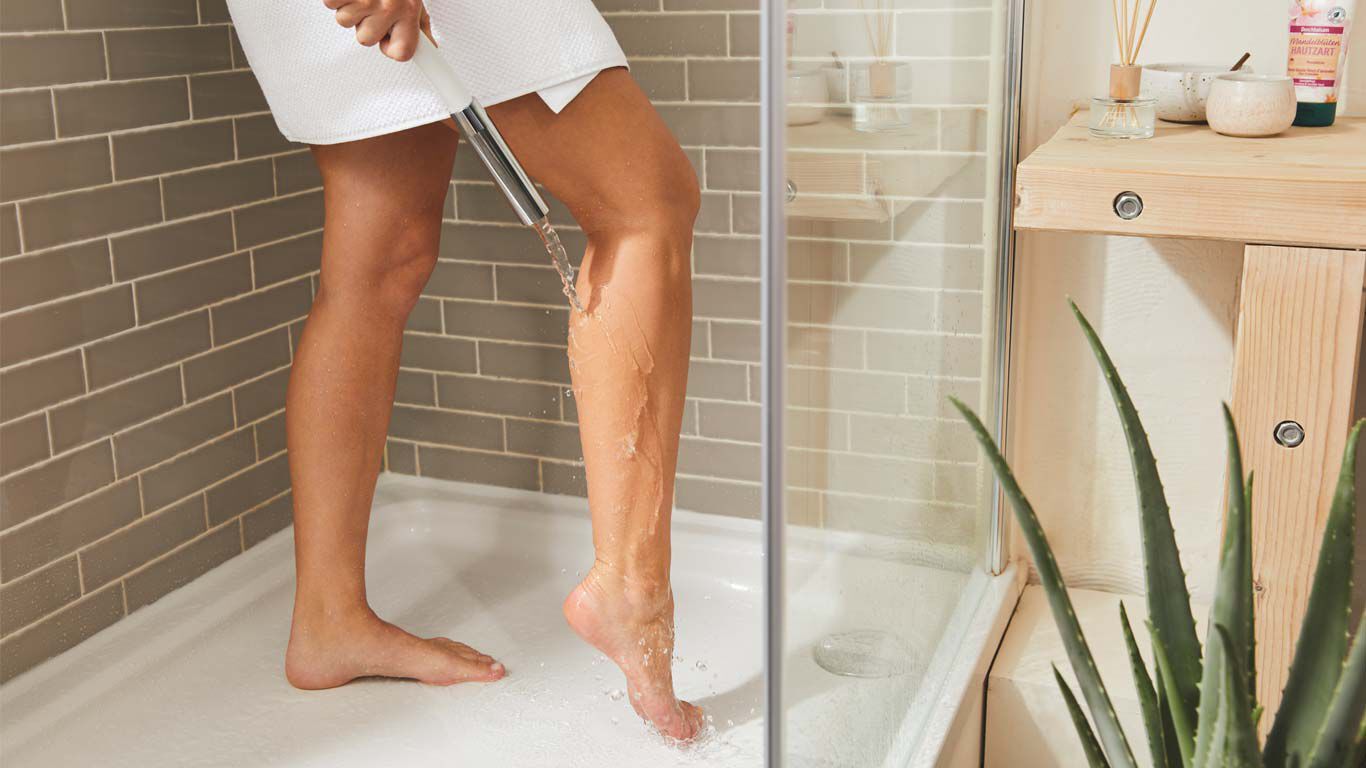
x=1242 y=104
x=1181 y=89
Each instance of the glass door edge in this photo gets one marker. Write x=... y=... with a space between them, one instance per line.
x=772 y=354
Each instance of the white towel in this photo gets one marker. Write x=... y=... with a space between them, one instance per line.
x=323 y=87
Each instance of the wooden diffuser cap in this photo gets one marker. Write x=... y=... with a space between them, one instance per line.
x=1125 y=81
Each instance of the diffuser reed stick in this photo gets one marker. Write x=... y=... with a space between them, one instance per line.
x=878 y=23
x=1126 y=76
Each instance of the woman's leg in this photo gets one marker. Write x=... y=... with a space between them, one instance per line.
x=609 y=157
x=383 y=200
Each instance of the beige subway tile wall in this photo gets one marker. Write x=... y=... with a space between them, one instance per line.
x=158 y=239
x=886 y=313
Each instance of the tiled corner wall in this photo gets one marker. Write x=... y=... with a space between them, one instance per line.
x=157 y=238
x=887 y=316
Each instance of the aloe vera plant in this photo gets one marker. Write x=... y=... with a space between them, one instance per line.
x=1199 y=704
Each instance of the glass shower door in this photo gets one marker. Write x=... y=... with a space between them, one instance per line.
x=882 y=291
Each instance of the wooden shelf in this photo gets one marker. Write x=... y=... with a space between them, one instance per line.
x=1304 y=187
x=841 y=174
x=836 y=131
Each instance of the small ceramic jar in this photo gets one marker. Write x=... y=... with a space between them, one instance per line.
x=1244 y=104
x=1181 y=90
x=807 y=95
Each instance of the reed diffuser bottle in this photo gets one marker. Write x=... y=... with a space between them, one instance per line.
x=880 y=90
x=1125 y=113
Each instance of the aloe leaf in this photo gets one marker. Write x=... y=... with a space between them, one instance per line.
x=1359 y=754
x=1251 y=652
x=1323 y=635
x=1147 y=696
x=1169 y=607
x=1232 y=609
x=1182 y=719
x=1064 y=616
x=1227 y=727
x=1342 y=724
x=1170 y=744
x=1095 y=757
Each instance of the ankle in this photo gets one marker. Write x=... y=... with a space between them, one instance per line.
x=639 y=592
x=319 y=610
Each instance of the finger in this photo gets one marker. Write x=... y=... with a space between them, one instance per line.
x=402 y=40
x=426 y=25
x=336 y=5
x=373 y=29
x=352 y=14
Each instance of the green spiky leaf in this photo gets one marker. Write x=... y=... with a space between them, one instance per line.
x=1170 y=744
x=1147 y=695
x=1323 y=635
x=1168 y=598
x=1050 y=576
x=1227 y=726
x=1342 y=725
x=1250 y=604
x=1181 y=719
x=1232 y=609
x=1095 y=757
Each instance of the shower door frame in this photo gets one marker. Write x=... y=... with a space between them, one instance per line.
x=773 y=325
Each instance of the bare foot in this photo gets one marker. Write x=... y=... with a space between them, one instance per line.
x=332 y=650
x=634 y=628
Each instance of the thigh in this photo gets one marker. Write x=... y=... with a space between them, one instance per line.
x=608 y=156
x=381 y=191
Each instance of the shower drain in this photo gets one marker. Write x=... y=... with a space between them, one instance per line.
x=867 y=653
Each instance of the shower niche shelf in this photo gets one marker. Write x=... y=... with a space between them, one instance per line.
x=840 y=174
x=1297 y=202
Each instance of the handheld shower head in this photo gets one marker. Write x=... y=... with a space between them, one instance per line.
x=480 y=132
x=502 y=164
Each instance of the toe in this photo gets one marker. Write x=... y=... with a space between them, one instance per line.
x=686 y=724
x=694 y=717
x=461 y=663
x=487 y=672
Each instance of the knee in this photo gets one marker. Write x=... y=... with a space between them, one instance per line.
x=684 y=195
x=657 y=194
x=660 y=207
x=401 y=277
x=670 y=207
x=388 y=280
x=673 y=197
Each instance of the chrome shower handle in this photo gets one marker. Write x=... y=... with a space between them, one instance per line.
x=480 y=132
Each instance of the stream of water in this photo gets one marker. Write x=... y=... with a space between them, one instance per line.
x=559 y=258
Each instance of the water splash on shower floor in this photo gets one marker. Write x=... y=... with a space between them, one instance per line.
x=559 y=258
